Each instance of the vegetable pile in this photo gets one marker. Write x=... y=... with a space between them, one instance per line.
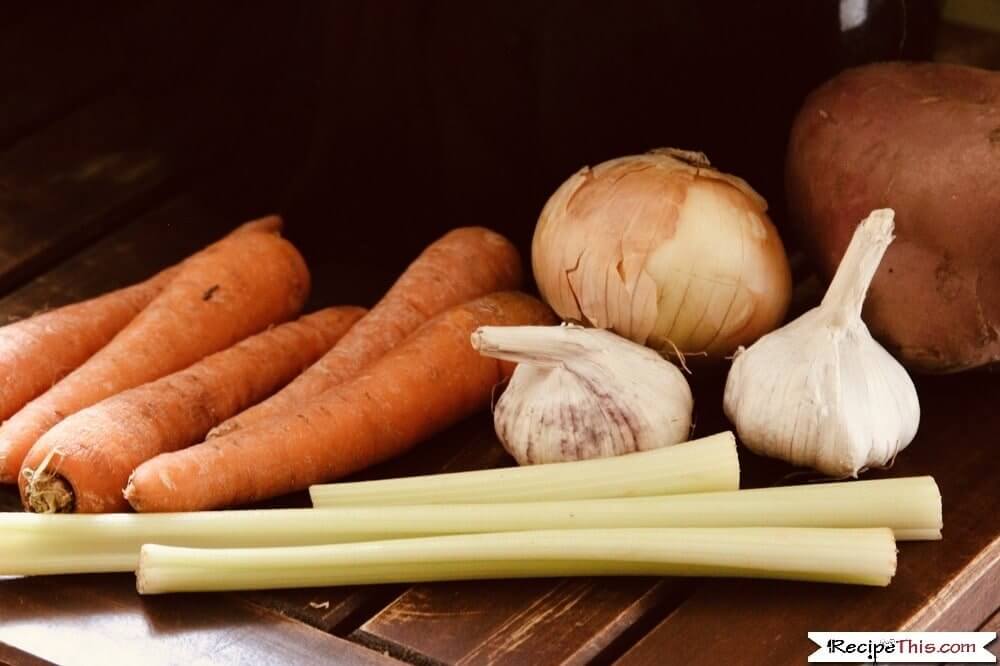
x=118 y=434
x=429 y=382
x=199 y=390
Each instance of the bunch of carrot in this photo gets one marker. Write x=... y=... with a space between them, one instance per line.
x=106 y=400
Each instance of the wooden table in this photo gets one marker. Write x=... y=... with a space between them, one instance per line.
x=89 y=201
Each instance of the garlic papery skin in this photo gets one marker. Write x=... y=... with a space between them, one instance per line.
x=820 y=391
x=664 y=250
x=580 y=393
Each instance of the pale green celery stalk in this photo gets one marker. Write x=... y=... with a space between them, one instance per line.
x=702 y=465
x=41 y=544
x=65 y=543
x=860 y=556
x=910 y=505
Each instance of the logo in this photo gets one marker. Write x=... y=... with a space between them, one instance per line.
x=886 y=647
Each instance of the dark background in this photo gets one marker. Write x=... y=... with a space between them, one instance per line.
x=376 y=125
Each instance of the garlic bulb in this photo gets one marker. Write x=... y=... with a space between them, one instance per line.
x=664 y=250
x=820 y=391
x=583 y=393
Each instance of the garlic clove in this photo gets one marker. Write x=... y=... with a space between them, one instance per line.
x=580 y=393
x=820 y=391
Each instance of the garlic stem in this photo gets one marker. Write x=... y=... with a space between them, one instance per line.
x=846 y=294
x=703 y=465
x=861 y=556
x=544 y=346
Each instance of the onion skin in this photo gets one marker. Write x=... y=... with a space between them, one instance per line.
x=665 y=251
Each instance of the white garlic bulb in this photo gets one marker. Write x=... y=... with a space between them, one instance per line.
x=820 y=391
x=581 y=393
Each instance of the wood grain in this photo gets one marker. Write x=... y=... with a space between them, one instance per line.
x=952 y=584
x=550 y=621
x=64 y=187
x=153 y=241
x=100 y=619
x=991 y=624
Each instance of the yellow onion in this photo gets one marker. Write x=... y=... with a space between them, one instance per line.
x=664 y=250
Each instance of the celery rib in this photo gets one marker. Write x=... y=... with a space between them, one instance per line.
x=702 y=465
x=858 y=556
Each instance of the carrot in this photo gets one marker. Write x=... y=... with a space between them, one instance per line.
x=463 y=264
x=234 y=288
x=38 y=351
x=83 y=463
x=429 y=382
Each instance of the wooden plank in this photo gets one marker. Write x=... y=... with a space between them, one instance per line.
x=138 y=250
x=953 y=584
x=54 y=60
x=64 y=187
x=10 y=656
x=549 y=621
x=991 y=624
x=84 y=620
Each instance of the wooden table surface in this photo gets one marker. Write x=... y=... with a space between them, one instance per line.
x=89 y=201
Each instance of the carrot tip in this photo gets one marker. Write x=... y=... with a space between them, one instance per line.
x=47 y=493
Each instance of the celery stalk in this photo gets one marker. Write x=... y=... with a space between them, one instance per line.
x=860 y=556
x=65 y=543
x=702 y=465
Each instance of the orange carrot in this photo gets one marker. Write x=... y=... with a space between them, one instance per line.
x=83 y=463
x=424 y=385
x=232 y=289
x=38 y=351
x=461 y=265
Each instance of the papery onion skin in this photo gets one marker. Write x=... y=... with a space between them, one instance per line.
x=664 y=250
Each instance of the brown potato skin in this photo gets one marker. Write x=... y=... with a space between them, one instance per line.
x=923 y=139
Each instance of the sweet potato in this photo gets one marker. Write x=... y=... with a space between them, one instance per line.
x=923 y=139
